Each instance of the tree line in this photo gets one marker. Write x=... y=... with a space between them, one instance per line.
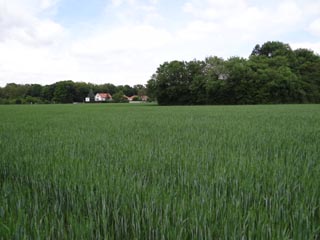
x=273 y=73
x=64 y=92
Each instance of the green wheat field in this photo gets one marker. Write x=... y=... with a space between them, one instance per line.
x=125 y=171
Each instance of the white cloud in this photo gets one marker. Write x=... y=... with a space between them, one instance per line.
x=214 y=9
x=137 y=35
x=198 y=30
x=314 y=27
x=242 y=24
x=285 y=18
x=124 y=55
x=20 y=22
x=24 y=64
x=314 y=46
x=127 y=38
x=134 y=11
x=241 y=15
x=29 y=43
x=118 y=3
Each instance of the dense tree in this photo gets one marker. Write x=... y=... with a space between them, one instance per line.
x=274 y=73
x=151 y=87
x=140 y=90
x=197 y=86
x=119 y=97
x=81 y=91
x=106 y=88
x=308 y=70
x=272 y=49
x=256 y=51
x=127 y=90
x=2 y=93
x=48 y=92
x=12 y=90
x=215 y=74
x=173 y=81
x=64 y=92
x=34 y=90
x=239 y=88
x=91 y=95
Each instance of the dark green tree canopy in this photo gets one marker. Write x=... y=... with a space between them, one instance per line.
x=274 y=73
x=64 y=92
x=272 y=49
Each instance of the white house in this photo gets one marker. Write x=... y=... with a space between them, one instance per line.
x=102 y=97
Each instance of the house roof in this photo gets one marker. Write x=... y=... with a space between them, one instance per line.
x=143 y=97
x=130 y=98
x=105 y=95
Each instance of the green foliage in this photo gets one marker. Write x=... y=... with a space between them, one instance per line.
x=13 y=91
x=18 y=101
x=107 y=88
x=32 y=100
x=140 y=90
x=151 y=87
x=173 y=81
x=48 y=92
x=91 y=95
x=272 y=49
x=81 y=90
x=139 y=172
x=127 y=90
x=272 y=74
x=119 y=97
x=64 y=92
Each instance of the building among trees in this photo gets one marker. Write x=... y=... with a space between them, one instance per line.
x=102 y=97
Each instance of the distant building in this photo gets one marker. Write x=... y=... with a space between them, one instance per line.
x=131 y=98
x=102 y=97
x=144 y=98
x=136 y=98
x=87 y=99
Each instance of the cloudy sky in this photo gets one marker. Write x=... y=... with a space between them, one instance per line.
x=124 y=41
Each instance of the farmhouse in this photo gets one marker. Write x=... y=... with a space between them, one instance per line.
x=102 y=97
x=131 y=98
x=136 y=98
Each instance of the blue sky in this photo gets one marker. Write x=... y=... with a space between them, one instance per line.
x=124 y=41
x=74 y=12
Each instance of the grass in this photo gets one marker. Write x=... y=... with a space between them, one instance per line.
x=147 y=172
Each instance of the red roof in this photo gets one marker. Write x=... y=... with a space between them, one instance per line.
x=143 y=98
x=105 y=95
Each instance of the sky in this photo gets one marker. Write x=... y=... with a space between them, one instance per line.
x=124 y=41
